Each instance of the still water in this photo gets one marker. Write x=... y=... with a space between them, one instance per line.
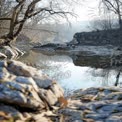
x=69 y=76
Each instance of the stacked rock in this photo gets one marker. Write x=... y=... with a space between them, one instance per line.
x=24 y=88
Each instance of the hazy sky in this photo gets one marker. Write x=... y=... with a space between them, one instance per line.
x=87 y=10
x=83 y=10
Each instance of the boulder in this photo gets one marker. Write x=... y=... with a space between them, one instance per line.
x=2 y=56
x=43 y=81
x=20 y=69
x=8 y=111
x=4 y=74
x=27 y=80
x=49 y=96
x=21 y=96
x=3 y=64
x=11 y=52
x=26 y=87
x=57 y=90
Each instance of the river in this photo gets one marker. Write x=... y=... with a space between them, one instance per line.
x=71 y=77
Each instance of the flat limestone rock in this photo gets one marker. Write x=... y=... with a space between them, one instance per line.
x=2 y=56
x=3 y=64
x=113 y=96
x=44 y=117
x=71 y=115
x=4 y=74
x=10 y=52
x=57 y=90
x=43 y=81
x=48 y=96
x=10 y=111
x=21 y=69
x=21 y=96
x=26 y=87
x=114 y=119
x=27 y=80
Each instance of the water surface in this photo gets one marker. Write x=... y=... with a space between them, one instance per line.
x=71 y=77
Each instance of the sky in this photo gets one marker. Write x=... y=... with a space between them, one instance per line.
x=83 y=11
x=87 y=10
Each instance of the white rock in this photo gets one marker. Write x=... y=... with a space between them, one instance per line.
x=2 y=55
x=48 y=95
x=27 y=80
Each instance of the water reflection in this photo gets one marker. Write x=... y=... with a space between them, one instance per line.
x=55 y=66
x=71 y=77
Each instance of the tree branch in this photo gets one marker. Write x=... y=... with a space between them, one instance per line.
x=5 y=18
x=110 y=4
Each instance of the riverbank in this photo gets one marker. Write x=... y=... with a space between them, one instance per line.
x=94 y=56
x=100 y=37
x=95 y=105
x=27 y=94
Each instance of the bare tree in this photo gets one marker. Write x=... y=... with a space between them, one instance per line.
x=114 y=6
x=104 y=22
x=5 y=10
x=24 y=10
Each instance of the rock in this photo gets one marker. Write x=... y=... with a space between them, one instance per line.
x=40 y=118
x=43 y=81
x=3 y=64
x=106 y=107
x=57 y=90
x=13 y=94
x=26 y=87
x=44 y=117
x=20 y=69
x=92 y=91
x=77 y=121
x=99 y=37
x=49 y=96
x=116 y=59
x=11 y=111
x=27 y=80
x=12 y=52
x=19 y=52
x=113 y=96
x=114 y=119
x=9 y=52
x=4 y=74
x=97 y=116
x=19 y=121
x=72 y=115
x=2 y=55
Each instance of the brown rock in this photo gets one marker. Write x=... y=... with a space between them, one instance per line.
x=57 y=90
x=48 y=96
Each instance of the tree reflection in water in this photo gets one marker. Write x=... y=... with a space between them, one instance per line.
x=108 y=76
x=55 y=66
x=70 y=76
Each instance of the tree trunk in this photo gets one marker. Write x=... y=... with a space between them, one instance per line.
x=117 y=79
x=120 y=21
x=5 y=40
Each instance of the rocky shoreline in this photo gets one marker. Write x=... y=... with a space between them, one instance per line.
x=26 y=92
x=99 y=37
x=28 y=95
